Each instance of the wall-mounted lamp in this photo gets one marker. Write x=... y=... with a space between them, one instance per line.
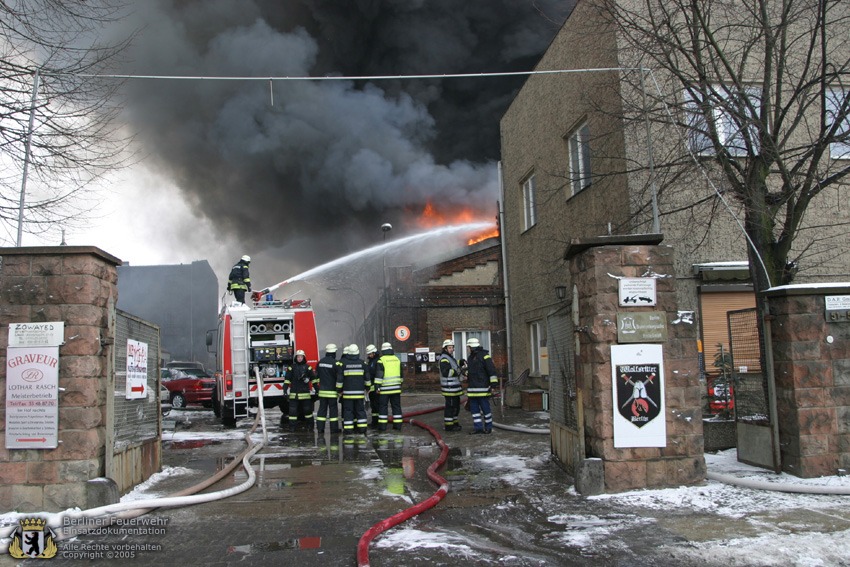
x=561 y=292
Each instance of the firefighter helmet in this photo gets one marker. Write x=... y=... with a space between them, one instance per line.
x=300 y=353
x=246 y=258
x=330 y=348
x=371 y=348
x=386 y=346
x=448 y=343
x=473 y=343
x=354 y=349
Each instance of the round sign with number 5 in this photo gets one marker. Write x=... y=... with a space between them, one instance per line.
x=402 y=333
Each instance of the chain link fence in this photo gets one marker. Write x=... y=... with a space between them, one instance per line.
x=749 y=382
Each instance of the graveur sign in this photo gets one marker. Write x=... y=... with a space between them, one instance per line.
x=32 y=385
x=642 y=327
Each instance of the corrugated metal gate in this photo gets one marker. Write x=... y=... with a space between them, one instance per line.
x=136 y=431
x=750 y=390
x=566 y=419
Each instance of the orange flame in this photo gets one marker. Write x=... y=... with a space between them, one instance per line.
x=431 y=218
x=483 y=236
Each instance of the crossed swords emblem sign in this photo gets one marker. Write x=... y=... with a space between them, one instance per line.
x=638 y=392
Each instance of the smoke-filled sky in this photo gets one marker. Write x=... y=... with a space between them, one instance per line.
x=307 y=171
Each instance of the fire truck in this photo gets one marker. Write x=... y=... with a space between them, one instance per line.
x=255 y=344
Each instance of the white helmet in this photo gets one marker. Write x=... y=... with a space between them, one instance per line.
x=330 y=348
x=473 y=343
x=300 y=353
x=371 y=348
x=448 y=342
x=346 y=349
x=246 y=258
x=354 y=349
x=386 y=346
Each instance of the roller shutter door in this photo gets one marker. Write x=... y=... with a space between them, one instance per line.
x=713 y=308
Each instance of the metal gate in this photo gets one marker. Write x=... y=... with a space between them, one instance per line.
x=566 y=419
x=750 y=391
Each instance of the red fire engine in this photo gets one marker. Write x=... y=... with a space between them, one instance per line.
x=255 y=345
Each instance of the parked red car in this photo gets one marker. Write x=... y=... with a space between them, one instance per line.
x=188 y=386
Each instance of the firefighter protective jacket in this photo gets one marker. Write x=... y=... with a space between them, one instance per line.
x=482 y=373
x=449 y=375
x=239 y=277
x=372 y=363
x=388 y=378
x=299 y=380
x=352 y=377
x=327 y=371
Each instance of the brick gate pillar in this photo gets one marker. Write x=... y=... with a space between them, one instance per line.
x=596 y=266
x=811 y=352
x=77 y=285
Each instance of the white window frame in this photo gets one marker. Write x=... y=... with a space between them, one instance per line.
x=529 y=203
x=834 y=99
x=460 y=338
x=579 y=149
x=729 y=132
x=536 y=340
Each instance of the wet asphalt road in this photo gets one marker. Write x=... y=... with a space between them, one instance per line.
x=508 y=504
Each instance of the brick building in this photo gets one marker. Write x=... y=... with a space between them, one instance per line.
x=461 y=296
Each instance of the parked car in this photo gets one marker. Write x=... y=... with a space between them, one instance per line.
x=188 y=386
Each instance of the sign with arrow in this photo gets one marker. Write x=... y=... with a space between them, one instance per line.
x=137 y=370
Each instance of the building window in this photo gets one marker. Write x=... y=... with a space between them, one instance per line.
x=733 y=117
x=537 y=341
x=837 y=111
x=528 y=203
x=579 y=146
x=460 y=338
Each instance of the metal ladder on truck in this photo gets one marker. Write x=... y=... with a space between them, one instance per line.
x=239 y=354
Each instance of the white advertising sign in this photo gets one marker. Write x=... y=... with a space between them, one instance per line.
x=32 y=398
x=137 y=370
x=636 y=292
x=37 y=334
x=837 y=302
x=637 y=379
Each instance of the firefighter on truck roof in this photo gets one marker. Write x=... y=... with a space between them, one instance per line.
x=239 y=280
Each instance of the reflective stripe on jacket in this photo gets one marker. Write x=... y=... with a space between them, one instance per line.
x=352 y=377
x=388 y=379
x=481 y=372
x=450 y=376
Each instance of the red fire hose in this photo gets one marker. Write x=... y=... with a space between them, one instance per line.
x=384 y=525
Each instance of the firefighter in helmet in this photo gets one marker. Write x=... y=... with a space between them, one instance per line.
x=388 y=384
x=372 y=363
x=353 y=381
x=298 y=385
x=482 y=378
x=450 y=386
x=328 y=405
x=239 y=280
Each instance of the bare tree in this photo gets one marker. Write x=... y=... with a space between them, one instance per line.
x=761 y=89
x=56 y=120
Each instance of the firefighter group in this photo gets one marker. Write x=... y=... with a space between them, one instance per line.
x=344 y=386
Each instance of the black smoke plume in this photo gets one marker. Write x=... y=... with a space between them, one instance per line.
x=309 y=170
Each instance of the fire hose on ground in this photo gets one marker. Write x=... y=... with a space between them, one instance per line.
x=186 y=497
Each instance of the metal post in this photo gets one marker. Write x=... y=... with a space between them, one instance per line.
x=656 y=223
x=27 y=159
x=385 y=228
